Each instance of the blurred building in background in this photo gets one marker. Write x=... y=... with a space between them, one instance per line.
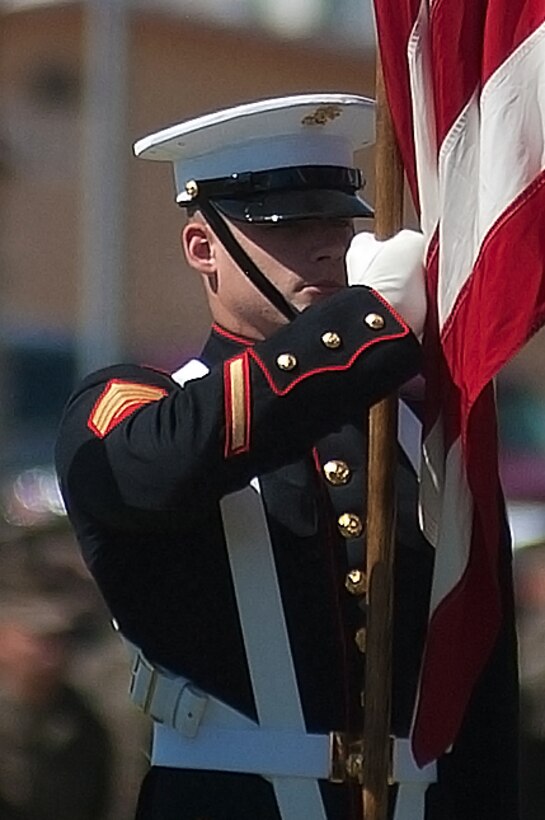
x=90 y=266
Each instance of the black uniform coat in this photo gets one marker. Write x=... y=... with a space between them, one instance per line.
x=142 y=477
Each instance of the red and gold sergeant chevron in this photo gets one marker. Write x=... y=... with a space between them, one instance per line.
x=118 y=400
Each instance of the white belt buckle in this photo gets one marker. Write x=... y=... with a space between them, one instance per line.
x=143 y=682
x=189 y=711
x=165 y=698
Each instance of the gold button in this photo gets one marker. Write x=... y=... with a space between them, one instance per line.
x=361 y=639
x=191 y=188
x=331 y=340
x=350 y=525
x=337 y=472
x=356 y=582
x=286 y=361
x=375 y=321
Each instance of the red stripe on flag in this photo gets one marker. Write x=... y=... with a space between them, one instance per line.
x=466 y=622
x=394 y=25
x=455 y=27
x=511 y=265
x=434 y=364
x=508 y=25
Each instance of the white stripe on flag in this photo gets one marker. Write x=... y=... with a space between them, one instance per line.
x=456 y=526
x=425 y=142
x=488 y=142
x=512 y=106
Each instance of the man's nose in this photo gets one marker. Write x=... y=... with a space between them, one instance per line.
x=331 y=242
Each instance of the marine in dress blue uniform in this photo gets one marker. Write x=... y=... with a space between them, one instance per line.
x=247 y=667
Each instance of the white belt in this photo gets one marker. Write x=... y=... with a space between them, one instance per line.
x=267 y=752
x=194 y=730
x=174 y=701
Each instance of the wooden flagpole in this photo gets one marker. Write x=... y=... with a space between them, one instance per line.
x=381 y=503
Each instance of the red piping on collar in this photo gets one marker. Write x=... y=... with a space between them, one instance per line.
x=233 y=337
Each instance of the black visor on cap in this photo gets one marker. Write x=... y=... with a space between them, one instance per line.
x=286 y=206
x=283 y=194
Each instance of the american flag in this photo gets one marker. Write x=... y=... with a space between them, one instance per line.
x=465 y=81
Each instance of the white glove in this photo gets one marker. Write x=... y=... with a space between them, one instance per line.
x=395 y=269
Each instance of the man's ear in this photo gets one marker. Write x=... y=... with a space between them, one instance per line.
x=198 y=247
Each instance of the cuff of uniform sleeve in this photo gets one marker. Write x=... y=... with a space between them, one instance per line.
x=327 y=337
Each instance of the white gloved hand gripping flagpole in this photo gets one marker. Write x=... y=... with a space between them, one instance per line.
x=395 y=269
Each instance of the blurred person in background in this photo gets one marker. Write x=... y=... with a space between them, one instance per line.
x=530 y=598
x=55 y=755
